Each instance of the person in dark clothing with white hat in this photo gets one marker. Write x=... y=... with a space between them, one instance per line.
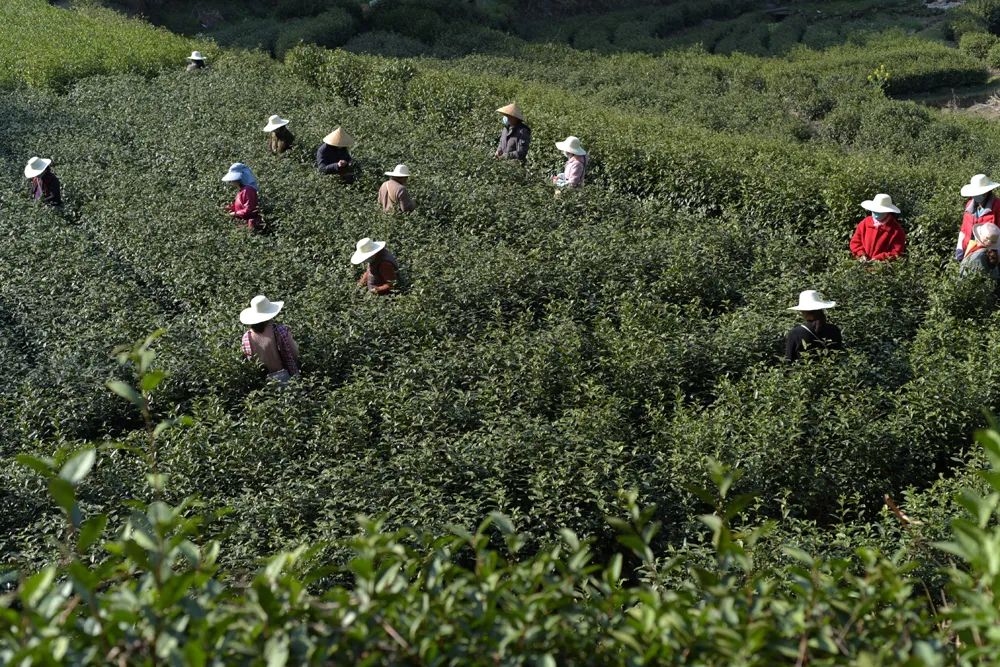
x=815 y=333
x=382 y=269
x=196 y=62
x=45 y=187
x=280 y=138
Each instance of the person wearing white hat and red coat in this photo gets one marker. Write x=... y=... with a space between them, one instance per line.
x=983 y=206
x=280 y=138
x=269 y=343
x=382 y=270
x=515 y=138
x=879 y=236
x=45 y=187
x=815 y=333
x=393 y=194
x=576 y=163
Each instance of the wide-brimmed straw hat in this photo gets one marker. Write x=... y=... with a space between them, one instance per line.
x=36 y=167
x=986 y=234
x=274 y=122
x=366 y=249
x=512 y=110
x=571 y=145
x=812 y=300
x=400 y=171
x=339 y=138
x=978 y=185
x=261 y=310
x=195 y=55
x=880 y=204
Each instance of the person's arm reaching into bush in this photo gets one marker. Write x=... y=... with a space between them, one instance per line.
x=857 y=241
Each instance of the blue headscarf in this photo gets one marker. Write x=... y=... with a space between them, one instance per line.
x=246 y=176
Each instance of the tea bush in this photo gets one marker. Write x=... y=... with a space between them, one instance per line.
x=46 y=46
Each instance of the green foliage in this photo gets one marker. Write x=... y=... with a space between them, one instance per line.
x=80 y=43
x=977 y=44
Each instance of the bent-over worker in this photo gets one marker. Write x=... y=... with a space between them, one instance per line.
x=269 y=343
x=393 y=193
x=246 y=206
x=281 y=138
x=981 y=253
x=515 y=138
x=879 y=236
x=45 y=187
x=382 y=269
x=815 y=333
x=982 y=207
x=196 y=61
x=332 y=156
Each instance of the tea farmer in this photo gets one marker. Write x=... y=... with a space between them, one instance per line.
x=382 y=269
x=815 y=333
x=983 y=206
x=269 y=343
x=280 y=139
x=515 y=136
x=246 y=206
x=981 y=254
x=878 y=236
x=45 y=186
x=576 y=163
x=332 y=156
x=393 y=193
x=196 y=61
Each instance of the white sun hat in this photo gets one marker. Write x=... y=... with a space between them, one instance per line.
x=274 y=122
x=196 y=55
x=812 y=300
x=571 y=145
x=366 y=249
x=880 y=204
x=401 y=170
x=261 y=310
x=235 y=173
x=986 y=234
x=36 y=166
x=512 y=110
x=978 y=185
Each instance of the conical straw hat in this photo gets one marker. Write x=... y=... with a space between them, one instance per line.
x=512 y=110
x=339 y=138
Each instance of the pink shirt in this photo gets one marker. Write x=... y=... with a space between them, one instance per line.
x=574 y=170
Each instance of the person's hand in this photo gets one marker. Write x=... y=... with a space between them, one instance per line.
x=342 y=163
x=863 y=258
x=498 y=153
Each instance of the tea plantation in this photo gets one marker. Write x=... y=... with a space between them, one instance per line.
x=569 y=438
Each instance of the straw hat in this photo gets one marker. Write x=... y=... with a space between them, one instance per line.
x=235 y=173
x=812 y=300
x=339 y=138
x=401 y=170
x=260 y=310
x=512 y=110
x=880 y=204
x=366 y=249
x=195 y=55
x=274 y=122
x=986 y=234
x=978 y=185
x=36 y=166
x=571 y=145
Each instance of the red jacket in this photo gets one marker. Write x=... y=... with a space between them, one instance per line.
x=245 y=207
x=969 y=219
x=886 y=241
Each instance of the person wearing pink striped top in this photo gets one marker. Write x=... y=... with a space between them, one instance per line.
x=576 y=164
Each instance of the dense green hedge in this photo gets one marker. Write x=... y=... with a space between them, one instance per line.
x=79 y=43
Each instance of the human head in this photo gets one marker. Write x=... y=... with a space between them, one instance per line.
x=980 y=187
x=36 y=167
x=511 y=115
x=986 y=234
x=880 y=206
x=366 y=249
x=261 y=311
x=812 y=305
